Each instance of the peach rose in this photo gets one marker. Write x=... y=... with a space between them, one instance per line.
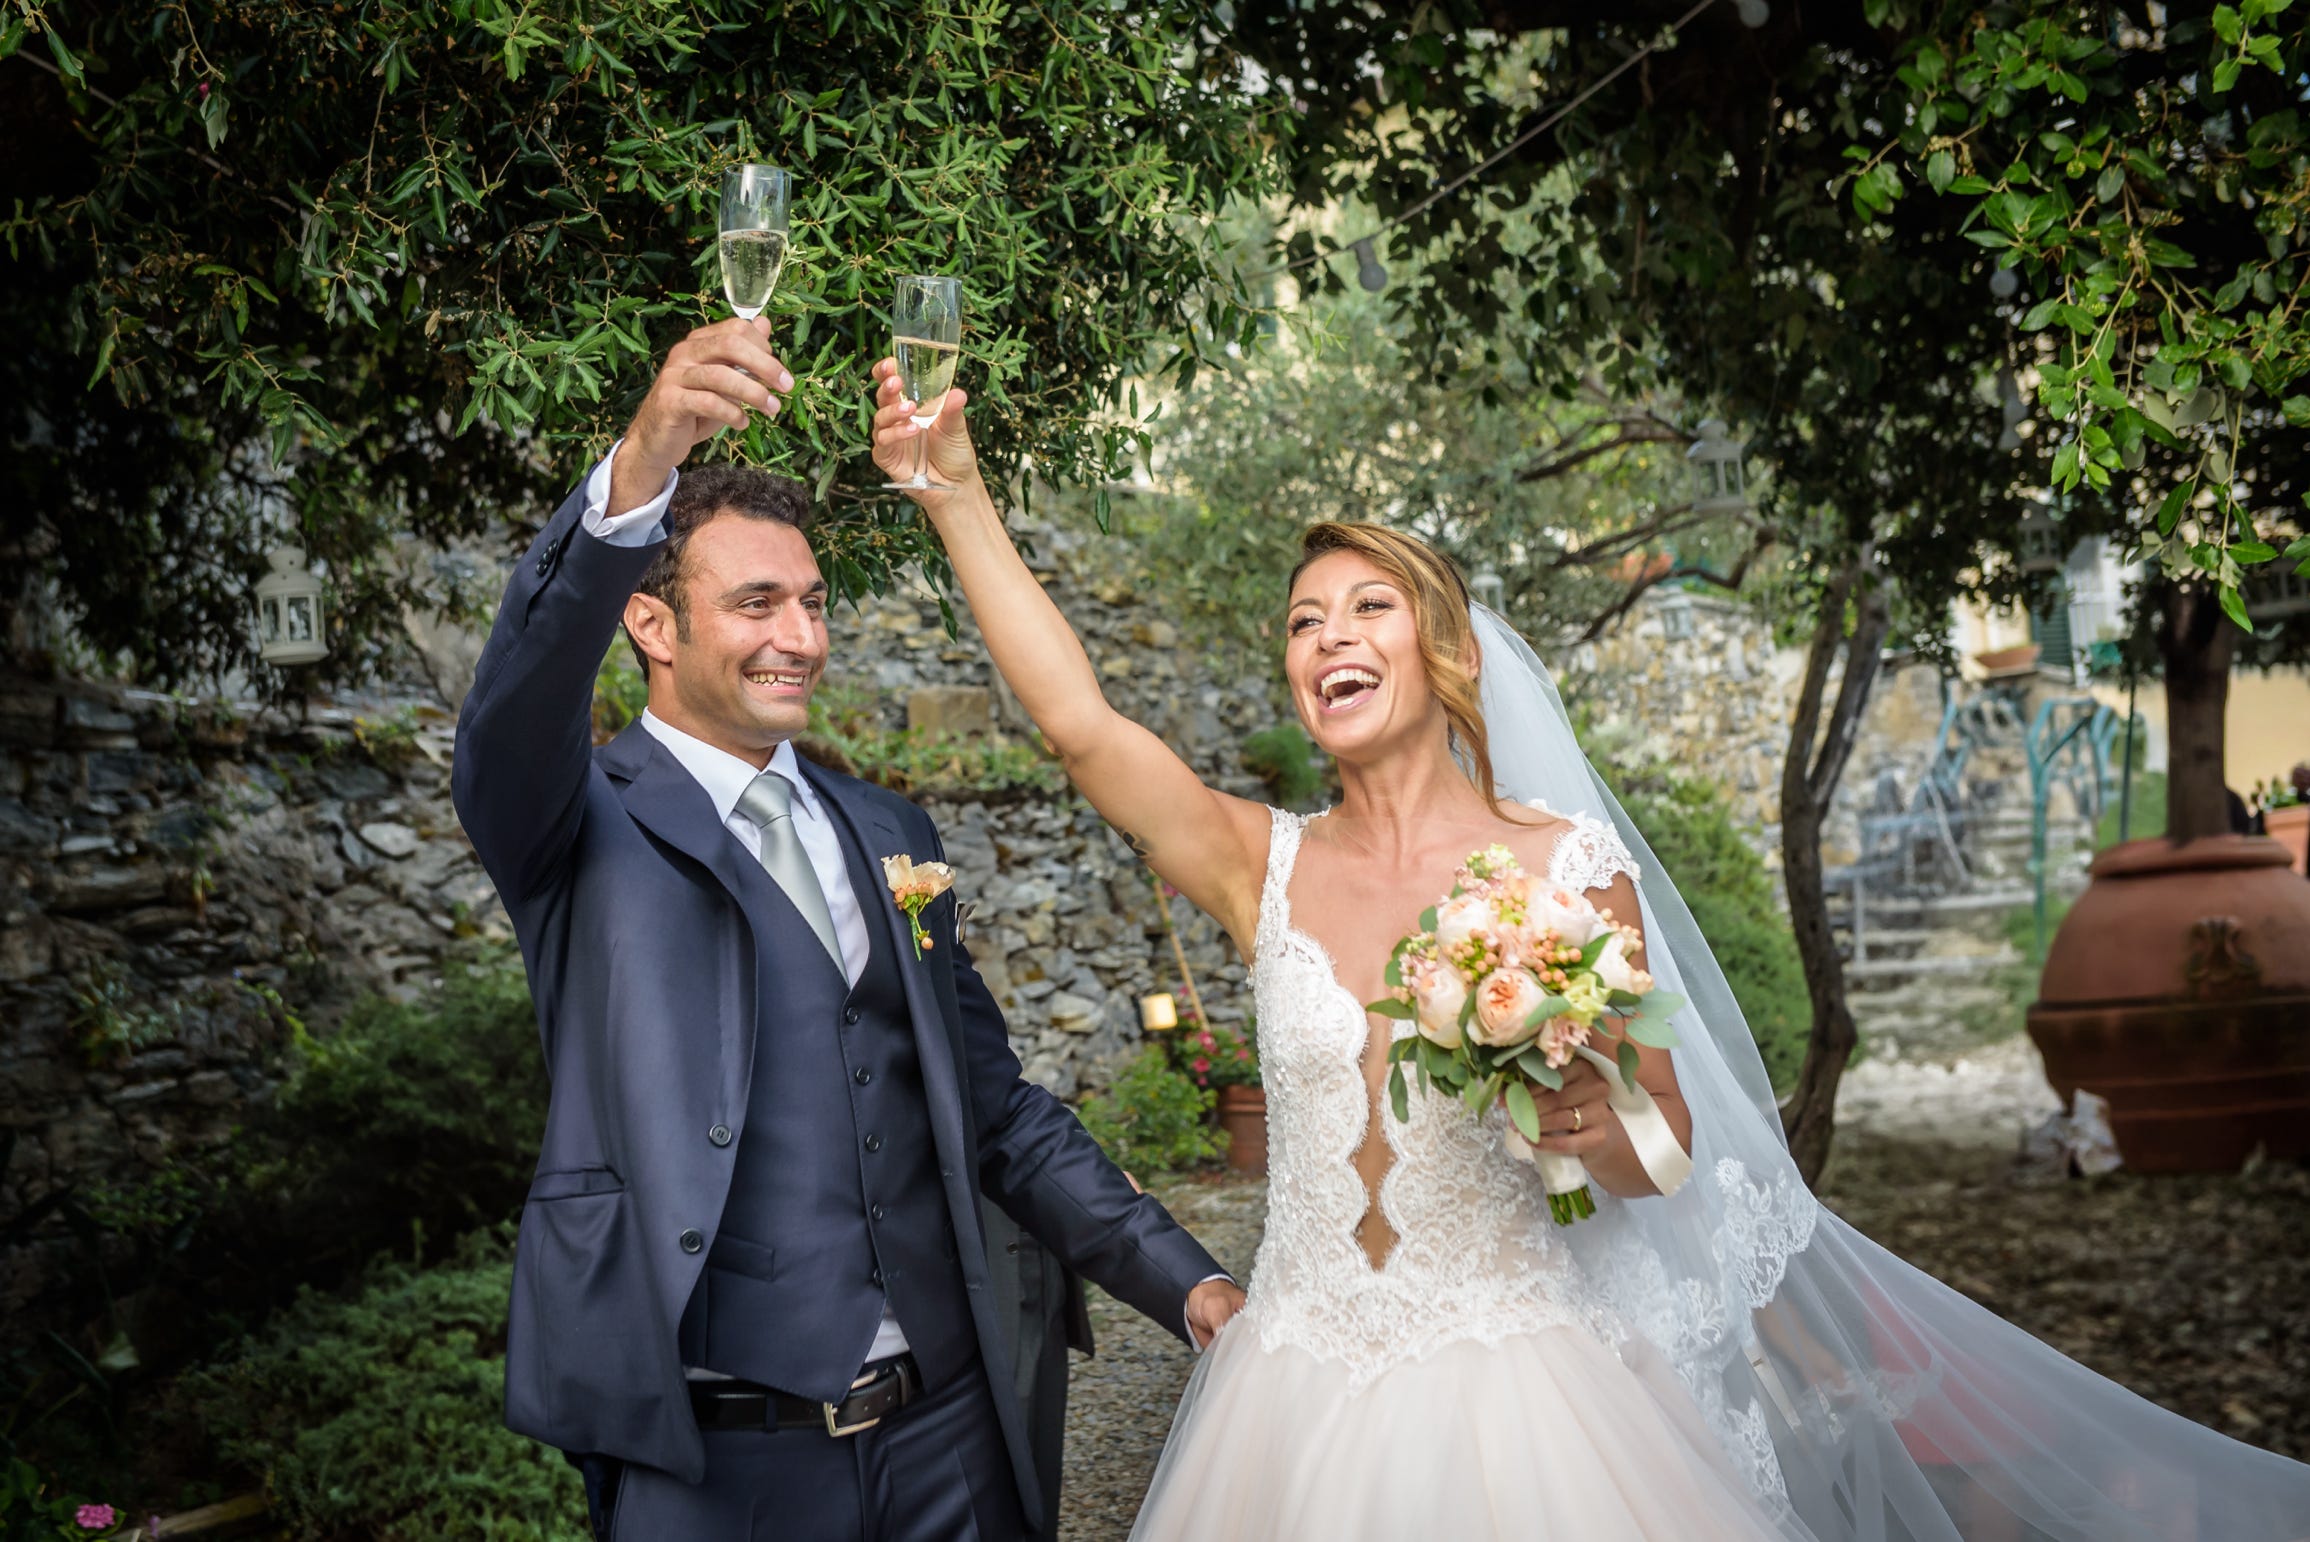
x=1438 y=993
x=1614 y=969
x=1460 y=918
x=1505 y=998
x=1568 y=916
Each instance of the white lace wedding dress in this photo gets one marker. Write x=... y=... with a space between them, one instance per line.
x=1475 y=1385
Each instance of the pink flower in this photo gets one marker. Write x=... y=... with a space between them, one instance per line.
x=97 y=1517
x=1201 y=1065
x=1505 y=998
x=1559 y=1037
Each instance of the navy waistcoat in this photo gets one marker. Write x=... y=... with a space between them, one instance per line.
x=835 y=1201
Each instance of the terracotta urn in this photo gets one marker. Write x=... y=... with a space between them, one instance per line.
x=2178 y=989
x=2290 y=828
x=1243 y=1115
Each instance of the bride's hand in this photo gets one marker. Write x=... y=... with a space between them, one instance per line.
x=952 y=460
x=1578 y=1120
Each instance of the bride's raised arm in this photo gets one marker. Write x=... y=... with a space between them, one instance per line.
x=1208 y=844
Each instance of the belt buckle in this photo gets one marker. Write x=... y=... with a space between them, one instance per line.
x=839 y=1430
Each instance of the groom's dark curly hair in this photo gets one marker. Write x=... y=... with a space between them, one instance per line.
x=699 y=496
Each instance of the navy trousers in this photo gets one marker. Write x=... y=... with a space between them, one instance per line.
x=935 y=1471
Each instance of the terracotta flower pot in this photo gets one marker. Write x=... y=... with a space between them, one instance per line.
x=2290 y=828
x=2009 y=661
x=2178 y=988
x=1243 y=1115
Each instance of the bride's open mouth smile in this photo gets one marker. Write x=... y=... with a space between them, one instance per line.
x=1345 y=687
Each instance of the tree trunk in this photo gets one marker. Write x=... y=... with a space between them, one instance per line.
x=1809 y=777
x=2196 y=642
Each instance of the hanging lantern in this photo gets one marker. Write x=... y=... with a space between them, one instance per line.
x=289 y=618
x=1489 y=588
x=2040 y=544
x=1717 y=485
x=1158 y=1013
x=1369 y=273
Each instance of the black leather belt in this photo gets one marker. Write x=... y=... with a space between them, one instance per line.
x=883 y=1390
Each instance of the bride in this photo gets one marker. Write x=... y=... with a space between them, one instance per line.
x=1422 y=1351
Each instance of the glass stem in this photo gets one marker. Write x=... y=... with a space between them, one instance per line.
x=921 y=457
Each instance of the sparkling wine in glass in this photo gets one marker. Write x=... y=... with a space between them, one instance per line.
x=753 y=236
x=926 y=337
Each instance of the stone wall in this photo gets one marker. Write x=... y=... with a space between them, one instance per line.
x=177 y=878
x=1696 y=681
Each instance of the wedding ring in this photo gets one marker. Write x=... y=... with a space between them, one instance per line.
x=1576 y=1121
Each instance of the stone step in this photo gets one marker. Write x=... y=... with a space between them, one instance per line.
x=1873 y=971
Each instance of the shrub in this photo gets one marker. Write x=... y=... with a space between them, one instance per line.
x=412 y=1119
x=1153 y=1119
x=1285 y=759
x=378 y=1414
x=1721 y=877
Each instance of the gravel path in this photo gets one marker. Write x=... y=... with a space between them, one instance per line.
x=2193 y=1291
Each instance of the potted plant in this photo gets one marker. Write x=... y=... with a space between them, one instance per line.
x=2286 y=814
x=1225 y=1060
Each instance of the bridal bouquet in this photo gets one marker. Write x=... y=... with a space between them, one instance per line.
x=1507 y=980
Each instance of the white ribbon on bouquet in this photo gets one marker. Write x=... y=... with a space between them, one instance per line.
x=1664 y=1160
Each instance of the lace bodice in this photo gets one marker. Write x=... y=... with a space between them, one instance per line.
x=1475 y=1255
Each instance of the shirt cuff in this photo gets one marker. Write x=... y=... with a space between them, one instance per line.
x=1190 y=1324
x=635 y=527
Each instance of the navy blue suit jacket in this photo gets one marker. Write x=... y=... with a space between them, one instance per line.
x=651 y=981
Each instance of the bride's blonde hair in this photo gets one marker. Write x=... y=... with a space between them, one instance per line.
x=1438 y=595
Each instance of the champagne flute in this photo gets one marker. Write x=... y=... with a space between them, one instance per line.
x=926 y=337
x=753 y=236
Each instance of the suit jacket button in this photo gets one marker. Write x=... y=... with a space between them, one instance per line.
x=850 y=1015
x=692 y=1242
x=1010 y=1247
x=876 y=1212
x=862 y=1076
x=876 y=1276
x=719 y=1135
x=874 y=1143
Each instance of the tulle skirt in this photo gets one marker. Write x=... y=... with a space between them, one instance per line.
x=1546 y=1435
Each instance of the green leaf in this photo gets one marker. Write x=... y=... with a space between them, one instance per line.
x=2252 y=551
x=1522 y=1111
x=1428 y=919
x=1644 y=1031
x=1630 y=1061
x=2170 y=510
x=1940 y=170
x=2235 y=608
x=2110 y=183
x=1399 y=1096
x=1389 y=1006
x=2226 y=75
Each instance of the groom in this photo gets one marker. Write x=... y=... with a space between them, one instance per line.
x=751 y=1294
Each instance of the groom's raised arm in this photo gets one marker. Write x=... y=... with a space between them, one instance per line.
x=525 y=736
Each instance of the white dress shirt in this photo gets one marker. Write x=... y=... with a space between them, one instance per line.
x=725 y=778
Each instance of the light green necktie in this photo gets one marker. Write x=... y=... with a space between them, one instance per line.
x=769 y=803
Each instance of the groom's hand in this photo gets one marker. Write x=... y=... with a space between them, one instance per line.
x=1209 y=1306
x=710 y=381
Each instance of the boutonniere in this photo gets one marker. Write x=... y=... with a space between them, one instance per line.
x=914 y=885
